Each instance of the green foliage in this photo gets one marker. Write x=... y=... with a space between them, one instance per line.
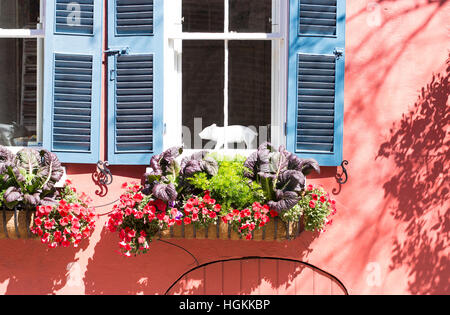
x=315 y=206
x=229 y=186
x=28 y=177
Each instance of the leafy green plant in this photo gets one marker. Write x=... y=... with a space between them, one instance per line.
x=162 y=178
x=281 y=174
x=28 y=178
x=168 y=180
x=316 y=207
x=229 y=186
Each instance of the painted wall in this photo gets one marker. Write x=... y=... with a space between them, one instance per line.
x=391 y=233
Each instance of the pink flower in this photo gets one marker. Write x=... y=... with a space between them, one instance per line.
x=64 y=221
x=212 y=214
x=48 y=210
x=38 y=222
x=161 y=205
x=65 y=243
x=315 y=197
x=138 y=197
x=49 y=224
x=312 y=204
x=76 y=209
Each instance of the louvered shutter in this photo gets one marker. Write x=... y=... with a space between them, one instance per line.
x=72 y=79
x=316 y=79
x=135 y=88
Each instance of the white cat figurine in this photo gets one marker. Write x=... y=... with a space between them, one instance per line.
x=230 y=134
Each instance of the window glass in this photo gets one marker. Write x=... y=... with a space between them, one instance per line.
x=203 y=16
x=17 y=92
x=250 y=87
x=15 y=14
x=203 y=83
x=250 y=16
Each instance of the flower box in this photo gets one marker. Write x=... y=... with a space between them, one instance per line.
x=275 y=230
x=16 y=224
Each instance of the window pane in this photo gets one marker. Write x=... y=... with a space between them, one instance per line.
x=203 y=83
x=250 y=86
x=17 y=91
x=250 y=16
x=19 y=13
x=203 y=16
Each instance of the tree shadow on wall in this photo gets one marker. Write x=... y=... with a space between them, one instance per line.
x=30 y=268
x=390 y=49
x=419 y=147
x=156 y=271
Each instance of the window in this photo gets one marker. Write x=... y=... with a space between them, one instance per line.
x=228 y=72
x=20 y=80
x=273 y=68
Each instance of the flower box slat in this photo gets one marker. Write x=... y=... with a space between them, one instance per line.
x=15 y=224
x=275 y=230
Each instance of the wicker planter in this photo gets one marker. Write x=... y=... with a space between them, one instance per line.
x=16 y=224
x=275 y=230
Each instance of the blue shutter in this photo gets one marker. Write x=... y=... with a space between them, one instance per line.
x=72 y=79
x=135 y=84
x=316 y=80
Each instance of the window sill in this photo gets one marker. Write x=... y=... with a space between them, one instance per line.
x=226 y=36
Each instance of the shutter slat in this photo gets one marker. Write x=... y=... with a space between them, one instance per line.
x=134 y=17
x=134 y=104
x=316 y=98
x=74 y=17
x=318 y=17
x=72 y=104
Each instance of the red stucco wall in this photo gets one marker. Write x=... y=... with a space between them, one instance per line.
x=391 y=233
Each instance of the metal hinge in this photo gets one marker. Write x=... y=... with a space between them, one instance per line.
x=339 y=53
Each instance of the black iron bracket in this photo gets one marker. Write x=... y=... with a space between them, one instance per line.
x=340 y=177
x=105 y=177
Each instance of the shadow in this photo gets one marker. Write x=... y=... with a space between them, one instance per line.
x=390 y=49
x=419 y=147
x=257 y=276
x=155 y=272
x=30 y=268
x=99 y=180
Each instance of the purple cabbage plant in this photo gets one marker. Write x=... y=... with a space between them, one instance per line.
x=28 y=178
x=281 y=174
x=161 y=180
x=167 y=179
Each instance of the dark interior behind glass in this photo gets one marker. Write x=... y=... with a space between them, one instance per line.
x=203 y=83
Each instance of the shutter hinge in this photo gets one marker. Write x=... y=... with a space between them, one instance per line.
x=339 y=53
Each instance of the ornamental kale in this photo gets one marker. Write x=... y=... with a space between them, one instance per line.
x=281 y=174
x=162 y=179
x=167 y=179
x=28 y=178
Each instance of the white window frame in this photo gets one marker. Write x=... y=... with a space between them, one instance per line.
x=173 y=71
x=39 y=34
